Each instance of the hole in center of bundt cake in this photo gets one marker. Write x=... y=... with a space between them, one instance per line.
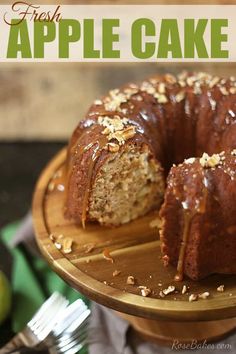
x=129 y=184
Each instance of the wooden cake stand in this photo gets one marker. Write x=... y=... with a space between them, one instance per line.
x=103 y=258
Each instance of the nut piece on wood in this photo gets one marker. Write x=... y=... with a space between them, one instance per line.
x=116 y=273
x=184 y=289
x=130 y=280
x=61 y=243
x=58 y=245
x=193 y=297
x=67 y=245
x=204 y=295
x=169 y=290
x=221 y=288
x=145 y=291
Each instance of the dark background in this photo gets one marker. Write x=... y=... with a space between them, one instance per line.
x=20 y=166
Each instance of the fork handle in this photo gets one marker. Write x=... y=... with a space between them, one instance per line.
x=13 y=345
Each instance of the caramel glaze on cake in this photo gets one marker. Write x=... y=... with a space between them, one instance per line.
x=120 y=155
x=199 y=225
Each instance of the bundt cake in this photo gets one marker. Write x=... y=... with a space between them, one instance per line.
x=120 y=155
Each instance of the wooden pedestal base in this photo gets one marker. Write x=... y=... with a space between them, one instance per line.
x=167 y=332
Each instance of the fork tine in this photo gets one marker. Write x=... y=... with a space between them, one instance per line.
x=46 y=313
x=75 y=349
x=45 y=306
x=70 y=314
x=64 y=347
x=75 y=332
x=79 y=321
x=78 y=341
x=50 y=321
x=61 y=303
x=67 y=338
x=47 y=316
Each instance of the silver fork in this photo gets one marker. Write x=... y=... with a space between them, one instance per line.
x=70 y=336
x=40 y=326
x=71 y=344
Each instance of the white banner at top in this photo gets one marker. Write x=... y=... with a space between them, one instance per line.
x=117 y=33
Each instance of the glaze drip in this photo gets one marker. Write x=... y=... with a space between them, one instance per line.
x=189 y=210
x=100 y=145
x=183 y=245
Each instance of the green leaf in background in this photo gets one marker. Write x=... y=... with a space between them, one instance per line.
x=27 y=293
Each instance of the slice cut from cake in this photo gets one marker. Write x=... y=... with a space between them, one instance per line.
x=198 y=233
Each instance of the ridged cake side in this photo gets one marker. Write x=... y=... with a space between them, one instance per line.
x=198 y=216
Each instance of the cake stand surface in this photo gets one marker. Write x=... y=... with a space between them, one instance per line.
x=130 y=250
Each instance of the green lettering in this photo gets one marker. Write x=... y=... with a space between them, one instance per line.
x=169 y=39
x=69 y=31
x=139 y=49
x=108 y=38
x=18 y=40
x=193 y=38
x=40 y=38
x=89 y=51
x=217 y=38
